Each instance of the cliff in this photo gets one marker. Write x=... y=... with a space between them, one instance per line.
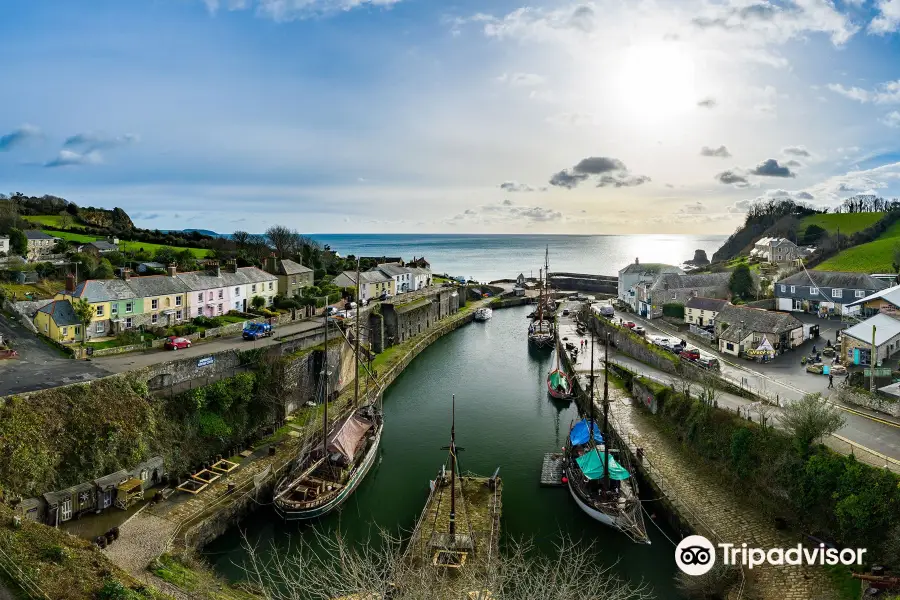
x=115 y=219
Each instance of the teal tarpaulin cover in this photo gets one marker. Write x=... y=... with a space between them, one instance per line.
x=591 y=465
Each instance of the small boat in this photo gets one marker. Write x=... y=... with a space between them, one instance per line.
x=599 y=483
x=483 y=314
x=326 y=474
x=458 y=532
x=559 y=384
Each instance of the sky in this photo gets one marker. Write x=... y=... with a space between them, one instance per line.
x=389 y=116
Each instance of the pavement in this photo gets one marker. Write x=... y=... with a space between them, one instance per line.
x=866 y=429
x=39 y=365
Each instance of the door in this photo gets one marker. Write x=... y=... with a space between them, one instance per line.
x=65 y=510
x=244 y=305
x=700 y=321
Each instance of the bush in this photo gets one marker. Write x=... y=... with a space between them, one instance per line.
x=673 y=310
x=186 y=329
x=129 y=337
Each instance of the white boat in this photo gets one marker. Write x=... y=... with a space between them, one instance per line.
x=483 y=314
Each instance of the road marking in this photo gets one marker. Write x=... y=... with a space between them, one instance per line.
x=888 y=459
x=866 y=415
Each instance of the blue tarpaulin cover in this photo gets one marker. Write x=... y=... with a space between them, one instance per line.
x=579 y=433
x=591 y=465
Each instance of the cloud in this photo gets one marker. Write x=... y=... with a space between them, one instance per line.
x=892 y=119
x=794 y=164
x=693 y=208
x=610 y=172
x=720 y=152
x=89 y=142
x=539 y=23
x=68 y=158
x=507 y=202
x=293 y=10
x=708 y=102
x=145 y=216
x=18 y=136
x=509 y=212
x=515 y=186
x=733 y=177
x=883 y=93
x=521 y=79
x=771 y=168
x=796 y=151
x=888 y=20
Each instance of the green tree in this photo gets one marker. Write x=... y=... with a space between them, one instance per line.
x=258 y=302
x=812 y=234
x=104 y=270
x=18 y=243
x=741 y=283
x=85 y=312
x=810 y=419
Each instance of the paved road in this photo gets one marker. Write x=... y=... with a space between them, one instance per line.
x=881 y=435
x=118 y=363
x=39 y=365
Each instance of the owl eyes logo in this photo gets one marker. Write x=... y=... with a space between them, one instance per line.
x=695 y=555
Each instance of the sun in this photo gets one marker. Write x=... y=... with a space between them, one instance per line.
x=654 y=82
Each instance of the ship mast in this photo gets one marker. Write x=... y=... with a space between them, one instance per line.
x=356 y=343
x=605 y=415
x=453 y=471
x=325 y=371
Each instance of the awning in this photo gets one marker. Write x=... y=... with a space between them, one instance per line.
x=347 y=435
x=591 y=464
x=579 y=433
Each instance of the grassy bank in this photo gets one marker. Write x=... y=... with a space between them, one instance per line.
x=125 y=245
x=847 y=223
x=874 y=257
x=194 y=577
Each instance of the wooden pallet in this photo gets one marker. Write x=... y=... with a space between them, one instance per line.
x=552 y=470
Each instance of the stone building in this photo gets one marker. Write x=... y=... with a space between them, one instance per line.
x=292 y=276
x=673 y=288
x=402 y=321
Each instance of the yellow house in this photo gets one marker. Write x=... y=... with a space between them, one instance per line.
x=115 y=305
x=371 y=284
x=58 y=321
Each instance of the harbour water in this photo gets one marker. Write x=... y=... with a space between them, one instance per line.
x=504 y=419
x=488 y=257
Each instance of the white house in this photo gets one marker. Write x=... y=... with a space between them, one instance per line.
x=775 y=250
x=633 y=275
x=4 y=245
x=404 y=280
x=421 y=277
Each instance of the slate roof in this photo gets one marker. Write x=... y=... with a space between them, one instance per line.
x=650 y=268
x=61 y=312
x=391 y=269
x=198 y=281
x=103 y=245
x=34 y=234
x=891 y=294
x=289 y=267
x=255 y=275
x=756 y=320
x=111 y=480
x=156 y=285
x=364 y=277
x=835 y=279
x=886 y=328
x=674 y=281
x=711 y=304
x=152 y=265
x=104 y=290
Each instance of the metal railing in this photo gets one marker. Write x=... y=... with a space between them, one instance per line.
x=19 y=577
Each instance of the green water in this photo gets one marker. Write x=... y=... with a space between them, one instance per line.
x=504 y=418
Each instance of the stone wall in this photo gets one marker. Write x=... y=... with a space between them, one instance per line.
x=404 y=321
x=25 y=310
x=644 y=395
x=871 y=401
x=178 y=371
x=582 y=282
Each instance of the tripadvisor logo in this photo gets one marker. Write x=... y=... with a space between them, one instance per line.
x=696 y=555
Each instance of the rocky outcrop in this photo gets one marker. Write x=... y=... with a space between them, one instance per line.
x=699 y=260
x=115 y=219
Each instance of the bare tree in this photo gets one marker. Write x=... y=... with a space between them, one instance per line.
x=241 y=238
x=810 y=419
x=765 y=412
x=709 y=389
x=285 y=241
x=382 y=569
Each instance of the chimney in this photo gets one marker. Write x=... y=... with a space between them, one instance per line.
x=126 y=273
x=70 y=283
x=272 y=264
x=232 y=266
x=637 y=260
x=172 y=269
x=214 y=268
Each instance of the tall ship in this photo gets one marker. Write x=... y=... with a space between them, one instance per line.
x=600 y=482
x=330 y=469
x=541 y=331
x=458 y=533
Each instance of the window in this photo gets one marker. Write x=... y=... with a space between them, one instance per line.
x=99 y=311
x=237 y=291
x=793 y=289
x=836 y=293
x=177 y=300
x=784 y=288
x=65 y=331
x=860 y=293
x=77 y=330
x=199 y=311
x=129 y=307
x=270 y=286
x=221 y=293
x=254 y=288
x=178 y=316
x=200 y=296
x=219 y=309
x=128 y=323
x=114 y=308
x=100 y=328
x=154 y=319
x=46 y=328
x=813 y=290
x=154 y=304
x=729 y=346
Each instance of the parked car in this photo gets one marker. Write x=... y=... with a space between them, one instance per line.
x=565 y=312
x=177 y=343
x=639 y=330
x=630 y=324
x=607 y=310
x=385 y=296
x=332 y=310
x=254 y=331
x=690 y=353
x=709 y=362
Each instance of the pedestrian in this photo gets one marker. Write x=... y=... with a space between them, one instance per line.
x=830 y=381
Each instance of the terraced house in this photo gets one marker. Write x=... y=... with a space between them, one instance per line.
x=114 y=302
x=217 y=290
x=371 y=283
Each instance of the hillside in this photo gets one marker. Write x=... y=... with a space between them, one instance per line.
x=845 y=223
x=873 y=257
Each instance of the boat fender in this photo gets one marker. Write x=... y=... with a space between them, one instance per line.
x=565 y=479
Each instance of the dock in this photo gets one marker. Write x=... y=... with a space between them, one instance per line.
x=552 y=471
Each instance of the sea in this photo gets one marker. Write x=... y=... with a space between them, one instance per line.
x=482 y=257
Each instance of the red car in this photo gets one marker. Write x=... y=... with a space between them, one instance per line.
x=177 y=343
x=629 y=324
x=690 y=354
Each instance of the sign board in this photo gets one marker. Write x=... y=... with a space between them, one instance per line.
x=879 y=372
x=206 y=361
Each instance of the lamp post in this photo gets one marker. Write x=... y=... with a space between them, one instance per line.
x=873 y=360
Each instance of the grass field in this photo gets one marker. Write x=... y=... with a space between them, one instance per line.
x=46 y=288
x=874 y=257
x=849 y=223
x=51 y=221
x=128 y=246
